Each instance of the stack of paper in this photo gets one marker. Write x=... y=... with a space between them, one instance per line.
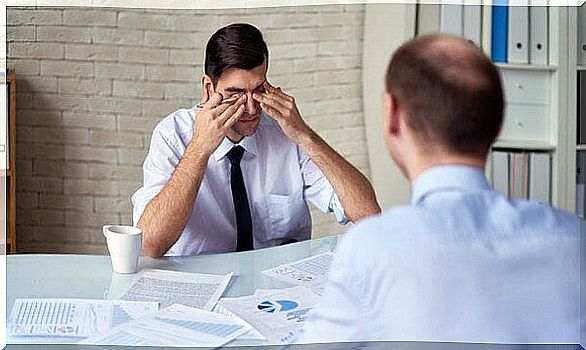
x=177 y=325
x=278 y=314
x=310 y=272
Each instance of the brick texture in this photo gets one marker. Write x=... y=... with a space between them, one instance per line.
x=93 y=83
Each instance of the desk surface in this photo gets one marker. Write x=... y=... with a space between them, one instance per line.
x=91 y=276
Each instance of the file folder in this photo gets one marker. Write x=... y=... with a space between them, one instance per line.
x=518 y=177
x=452 y=19
x=538 y=38
x=500 y=172
x=540 y=177
x=582 y=34
x=581 y=107
x=473 y=24
x=518 y=35
x=500 y=19
x=486 y=29
x=428 y=20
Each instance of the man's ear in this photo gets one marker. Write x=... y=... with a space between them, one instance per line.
x=207 y=86
x=391 y=115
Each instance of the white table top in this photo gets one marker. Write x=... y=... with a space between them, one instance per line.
x=91 y=276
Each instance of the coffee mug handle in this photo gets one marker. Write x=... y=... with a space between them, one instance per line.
x=105 y=230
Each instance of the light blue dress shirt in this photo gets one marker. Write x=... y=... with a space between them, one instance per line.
x=461 y=263
x=279 y=179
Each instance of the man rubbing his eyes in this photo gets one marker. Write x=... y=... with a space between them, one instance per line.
x=235 y=176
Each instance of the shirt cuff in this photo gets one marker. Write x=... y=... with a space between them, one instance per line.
x=337 y=209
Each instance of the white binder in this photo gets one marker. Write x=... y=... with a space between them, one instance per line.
x=428 y=20
x=538 y=39
x=486 y=28
x=452 y=19
x=518 y=48
x=519 y=175
x=582 y=34
x=540 y=177
x=500 y=172
x=473 y=24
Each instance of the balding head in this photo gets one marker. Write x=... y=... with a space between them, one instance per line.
x=451 y=92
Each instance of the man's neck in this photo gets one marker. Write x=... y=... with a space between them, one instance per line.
x=422 y=164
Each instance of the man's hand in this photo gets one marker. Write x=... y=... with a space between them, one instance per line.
x=213 y=121
x=283 y=109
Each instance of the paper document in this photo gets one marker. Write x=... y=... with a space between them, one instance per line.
x=177 y=325
x=252 y=334
x=310 y=272
x=72 y=317
x=278 y=314
x=171 y=287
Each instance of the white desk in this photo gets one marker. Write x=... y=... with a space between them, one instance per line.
x=91 y=276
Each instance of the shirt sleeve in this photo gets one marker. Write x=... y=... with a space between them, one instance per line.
x=338 y=315
x=319 y=191
x=158 y=166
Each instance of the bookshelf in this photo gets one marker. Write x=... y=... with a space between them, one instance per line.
x=544 y=92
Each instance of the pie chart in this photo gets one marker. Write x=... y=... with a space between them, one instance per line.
x=274 y=306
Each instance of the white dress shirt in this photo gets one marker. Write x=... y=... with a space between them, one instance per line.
x=461 y=263
x=278 y=177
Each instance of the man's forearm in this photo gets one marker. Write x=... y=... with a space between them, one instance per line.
x=352 y=187
x=166 y=215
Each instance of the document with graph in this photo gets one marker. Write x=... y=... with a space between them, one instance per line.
x=309 y=272
x=177 y=325
x=71 y=317
x=171 y=287
x=278 y=314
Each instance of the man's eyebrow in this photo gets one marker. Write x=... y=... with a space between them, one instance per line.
x=236 y=89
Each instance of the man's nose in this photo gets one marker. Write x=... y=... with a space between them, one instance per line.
x=251 y=105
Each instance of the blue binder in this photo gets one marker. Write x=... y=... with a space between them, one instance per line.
x=500 y=20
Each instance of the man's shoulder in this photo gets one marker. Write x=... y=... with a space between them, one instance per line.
x=539 y=214
x=178 y=122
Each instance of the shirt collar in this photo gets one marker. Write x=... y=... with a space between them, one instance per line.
x=248 y=143
x=458 y=177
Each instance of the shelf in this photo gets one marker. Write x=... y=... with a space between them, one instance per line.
x=525 y=145
x=581 y=148
x=582 y=67
x=539 y=67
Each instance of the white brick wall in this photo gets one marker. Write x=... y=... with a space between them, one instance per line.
x=93 y=83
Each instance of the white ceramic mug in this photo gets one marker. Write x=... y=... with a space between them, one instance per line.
x=124 y=246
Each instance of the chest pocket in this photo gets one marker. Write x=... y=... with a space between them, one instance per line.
x=288 y=215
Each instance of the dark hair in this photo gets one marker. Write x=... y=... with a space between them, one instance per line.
x=238 y=45
x=450 y=90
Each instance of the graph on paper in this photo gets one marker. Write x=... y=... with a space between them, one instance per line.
x=71 y=317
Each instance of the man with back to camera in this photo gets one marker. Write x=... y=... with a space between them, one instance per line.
x=461 y=262
x=235 y=175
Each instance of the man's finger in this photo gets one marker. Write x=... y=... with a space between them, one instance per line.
x=270 y=99
x=272 y=112
x=231 y=109
x=277 y=91
x=214 y=100
x=234 y=117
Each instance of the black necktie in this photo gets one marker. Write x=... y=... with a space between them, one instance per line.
x=241 y=207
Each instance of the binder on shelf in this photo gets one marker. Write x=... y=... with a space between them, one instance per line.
x=582 y=34
x=452 y=19
x=473 y=24
x=580 y=183
x=538 y=38
x=486 y=29
x=518 y=35
x=581 y=107
x=540 y=177
x=518 y=177
x=499 y=35
x=500 y=172
x=428 y=19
